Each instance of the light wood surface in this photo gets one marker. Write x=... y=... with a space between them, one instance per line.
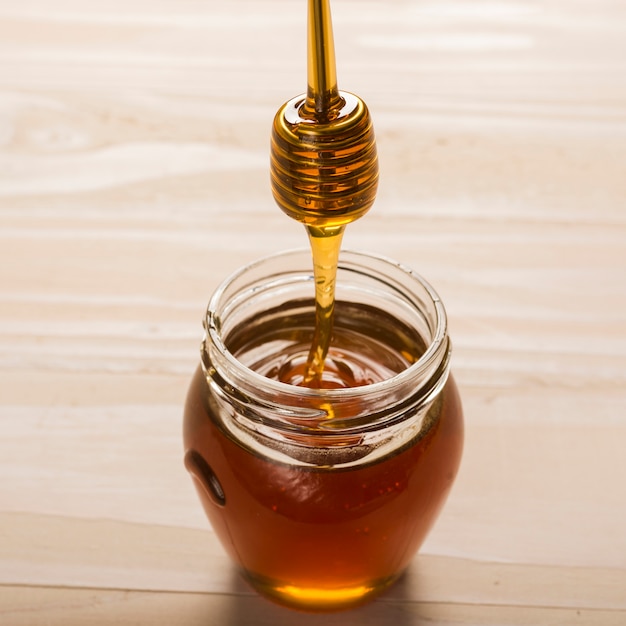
x=134 y=142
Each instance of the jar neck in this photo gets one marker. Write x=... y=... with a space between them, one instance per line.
x=329 y=415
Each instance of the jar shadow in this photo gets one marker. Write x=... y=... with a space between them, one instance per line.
x=247 y=608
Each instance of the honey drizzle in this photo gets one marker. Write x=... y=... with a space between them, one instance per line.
x=325 y=245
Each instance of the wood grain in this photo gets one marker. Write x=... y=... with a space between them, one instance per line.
x=134 y=177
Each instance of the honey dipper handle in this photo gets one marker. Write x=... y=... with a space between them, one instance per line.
x=322 y=92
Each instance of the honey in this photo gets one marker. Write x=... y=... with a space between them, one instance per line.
x=275 y=344
x=324 y=535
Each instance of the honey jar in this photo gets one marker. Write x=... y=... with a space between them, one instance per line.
x=322 y=495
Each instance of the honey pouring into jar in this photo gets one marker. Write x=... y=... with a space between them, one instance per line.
x=323 y=431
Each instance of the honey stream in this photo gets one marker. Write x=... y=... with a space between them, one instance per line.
x=324 y=171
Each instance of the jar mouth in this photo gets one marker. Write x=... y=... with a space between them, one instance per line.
x=264 y=279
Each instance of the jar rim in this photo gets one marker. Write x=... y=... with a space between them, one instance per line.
x=437 y=348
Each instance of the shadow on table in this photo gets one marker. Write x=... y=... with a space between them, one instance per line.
x=246 y=608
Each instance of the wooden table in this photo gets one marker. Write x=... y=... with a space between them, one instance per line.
x=134 y=178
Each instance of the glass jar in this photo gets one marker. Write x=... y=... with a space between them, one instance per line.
x=321 y=497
